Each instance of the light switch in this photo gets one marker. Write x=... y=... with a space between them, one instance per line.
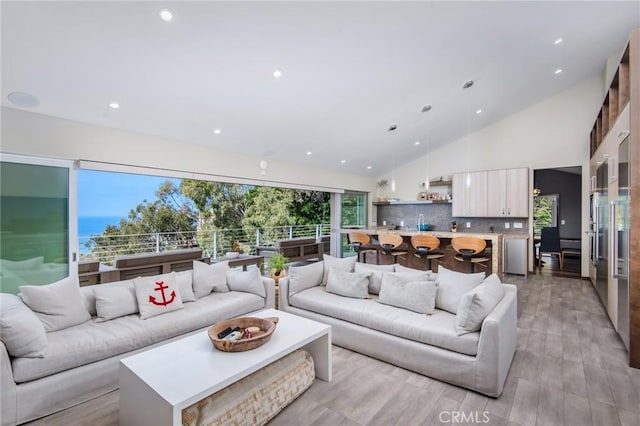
x=507 y=225
x=562 y=222
x=468 y=224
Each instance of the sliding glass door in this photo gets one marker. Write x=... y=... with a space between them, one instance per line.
x=37 y=221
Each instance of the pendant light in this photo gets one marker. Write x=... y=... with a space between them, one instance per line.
x=426 y=108
x=465 y=86
x=392 y=128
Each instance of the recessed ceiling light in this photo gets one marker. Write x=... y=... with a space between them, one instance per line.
x=416 y=143
x=22 y=99
x=114 y=105
x=479 y=111
x=217 y=131
x=166 y=14
x=309 y=152
x=558 y=71
x=277 y=73
x=558 y=40
x=343 y=161
x=368 y=167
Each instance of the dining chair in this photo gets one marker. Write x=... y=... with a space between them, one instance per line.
x=550 y=244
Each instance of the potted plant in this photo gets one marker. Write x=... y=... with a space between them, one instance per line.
x=382 y=189
x=277 y=263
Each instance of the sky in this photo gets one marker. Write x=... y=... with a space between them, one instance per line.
x=114 y=194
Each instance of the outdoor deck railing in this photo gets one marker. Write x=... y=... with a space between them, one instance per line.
x=214 y=243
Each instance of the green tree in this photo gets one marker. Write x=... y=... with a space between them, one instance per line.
x=270 y=207
x=542 y=214
x=311 y=207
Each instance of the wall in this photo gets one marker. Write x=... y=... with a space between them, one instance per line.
x=567 y=186
x=551 y=133
x=33 y=134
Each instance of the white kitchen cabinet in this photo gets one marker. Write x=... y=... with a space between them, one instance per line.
x=508 y=193
x=469 y=199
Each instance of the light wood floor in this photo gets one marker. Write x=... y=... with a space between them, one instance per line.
x=570 y=368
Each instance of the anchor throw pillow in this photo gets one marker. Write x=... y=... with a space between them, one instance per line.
x=157 y=295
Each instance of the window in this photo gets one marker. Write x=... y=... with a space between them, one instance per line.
x=545 y=212
x=353 y=214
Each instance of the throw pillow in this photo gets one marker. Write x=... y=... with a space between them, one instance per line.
x=400 y=268
x=248 y=281
x=476 y=304
x=304 y=277
x=416 y=296
x=208 y=278
x=348 y=284
x=185 y=284
x=452 y=286
x=115 y=301
x=156 y=297
x=58 y=305
x=375 y=280
x=20 y=329
x=344 y=264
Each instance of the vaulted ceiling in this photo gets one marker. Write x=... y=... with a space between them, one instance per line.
x=349 y=69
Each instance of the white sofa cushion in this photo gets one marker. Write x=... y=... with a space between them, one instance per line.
x=20 y=329
x=348 y=284
x=346 y=264
x=477 y=303
x=452 y=286
x=437 y=329
x=208 y=278
x=417 y=296
x=248 y=281
x=91 y=341
x=303 y=277
x=157 y=296
x=58 y=305
x=115 y=302
x=376 y=271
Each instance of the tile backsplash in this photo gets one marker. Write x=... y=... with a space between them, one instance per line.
x=439 y=217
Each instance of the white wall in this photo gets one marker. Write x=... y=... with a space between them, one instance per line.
x=33 y=134
x=551 y=133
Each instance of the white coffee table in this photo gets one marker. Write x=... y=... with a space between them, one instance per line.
x=156 y=385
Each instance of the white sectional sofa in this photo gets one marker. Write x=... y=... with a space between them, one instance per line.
x=81 y=362
x=432 y=345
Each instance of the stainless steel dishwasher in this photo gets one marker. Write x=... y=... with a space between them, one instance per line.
x=515 y=255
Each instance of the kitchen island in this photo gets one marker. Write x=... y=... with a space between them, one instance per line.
x=493 y=250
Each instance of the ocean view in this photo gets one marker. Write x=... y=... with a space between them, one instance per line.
x=95 y=225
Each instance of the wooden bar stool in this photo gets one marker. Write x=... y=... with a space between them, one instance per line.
x=362 y=245
x=470 y=251
x=392 y=245
x=425 y=247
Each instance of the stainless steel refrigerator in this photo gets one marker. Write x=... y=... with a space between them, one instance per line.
x=620 y=242
x=600 y=254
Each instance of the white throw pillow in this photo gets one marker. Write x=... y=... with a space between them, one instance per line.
x=452 y=285
x=346 y=264
x=157 y=296
x=248 y=281
x=185 y=284
x=375 y=280
x=304 y=277
x=20 y=329
x=208 y=278
x=477 y=303
x=400 y=268
x=416 y=296
x=58 y=305
x=115 y=301
x=348 y=284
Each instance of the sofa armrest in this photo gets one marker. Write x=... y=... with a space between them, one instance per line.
x=270 y=290
x=283 y=293
x=497 y=345
x=8 y=390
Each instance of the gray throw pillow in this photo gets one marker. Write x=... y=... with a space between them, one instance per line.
x=247 y=281
x=20 y=329
x=400 y=268
x=115 y=301
x=416 y=296
x=452 y=286
x=348 y=284
x=58 y=305
x=375 y=280
x=346 y=264
x=477 y=303
x=208 y=278
x=304 y=277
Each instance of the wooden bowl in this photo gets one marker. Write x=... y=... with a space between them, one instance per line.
x=267 y=327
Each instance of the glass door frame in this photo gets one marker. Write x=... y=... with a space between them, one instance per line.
x=72 y=219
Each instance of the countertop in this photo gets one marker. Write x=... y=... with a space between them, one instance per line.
x=440 y=234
